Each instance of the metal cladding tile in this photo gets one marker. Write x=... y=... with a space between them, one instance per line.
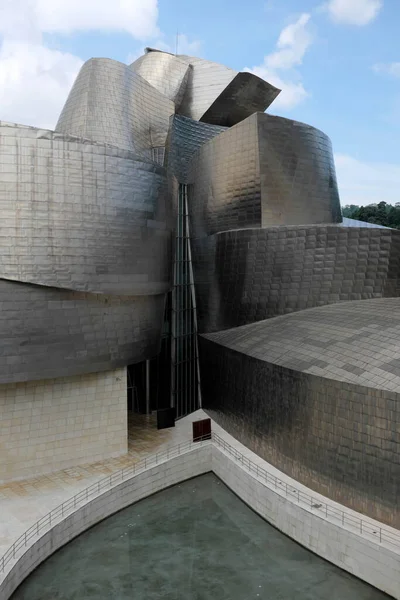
x=49 y=332
x=81 y=215
x=165 y=72
x=185 y=137
x=265 y=171
x=243 y=96
x=111 y=103
x=221 y=96
x=316 y=393
x=297 y=172
x=249 y=275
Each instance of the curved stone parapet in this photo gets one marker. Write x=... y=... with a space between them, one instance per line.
x=316 y=394
x=165 y=72
x=82 y=215
x=49 y=332
x=221 y=96
x=249 y=275
x=265 y=171
x=111 y=103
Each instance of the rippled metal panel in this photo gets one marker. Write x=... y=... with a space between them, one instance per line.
x=165 y=72
x=111 y=103
x=81 y=215
x=316 y=394
x=221 y=96
x=49 y=332
x=254 y=274
x=184 y=139
x=262 y=172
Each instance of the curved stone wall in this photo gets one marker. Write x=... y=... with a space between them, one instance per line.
x=111 y=103
x=249 y=275
x=49 y=332
x=316 y=394
x=82 y=215
x=263 y=172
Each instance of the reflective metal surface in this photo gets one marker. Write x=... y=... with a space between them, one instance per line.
x=111 y=103
x=204 y=90
x=184 y=138
x=249 y=275
x=165 y=72
x=262 y=172
x=49 y=332
x=82 y=215
x=216 y=94
x=316 y=394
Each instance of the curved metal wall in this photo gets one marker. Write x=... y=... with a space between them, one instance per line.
x=249 y=275
x=165 y=72
x=297 y=171
x=81 y=215
x=50 y=332
x=316 y=394
x=185 y=137
x=265 y=171
x=218 y=95
x=111 y=104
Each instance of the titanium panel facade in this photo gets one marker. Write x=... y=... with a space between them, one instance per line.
x=184 y=139
x=243 y=96
x=165 y=72
x=221 y=96
x=49 y=332
x=112 y=104
x=298 y=176
x=82 y=215
x=249 y=275
x=265 y=171
x=306 y=393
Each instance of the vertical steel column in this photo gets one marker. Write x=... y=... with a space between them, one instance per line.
x=148 y=408
x=185 y=385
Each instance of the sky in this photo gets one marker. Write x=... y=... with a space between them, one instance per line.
x=336 y=61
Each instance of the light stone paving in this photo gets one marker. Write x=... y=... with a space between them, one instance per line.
x=355 y=551
x=22 y=503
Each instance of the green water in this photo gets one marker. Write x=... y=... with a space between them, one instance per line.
x=194 y=541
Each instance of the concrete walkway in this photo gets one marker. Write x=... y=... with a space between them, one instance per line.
x=22 y=503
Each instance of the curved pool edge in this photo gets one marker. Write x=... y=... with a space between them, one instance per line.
x=343 y=546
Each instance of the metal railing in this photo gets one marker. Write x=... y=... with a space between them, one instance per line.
x=322 y=509
x=45 y=523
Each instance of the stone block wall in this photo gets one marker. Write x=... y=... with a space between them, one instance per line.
x=53 y=424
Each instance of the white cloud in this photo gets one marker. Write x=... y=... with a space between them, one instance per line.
x=34 y=83
x=364 y=183
x=392 y=69
x=354 y=12
x=34 y=79
x=136 y=17
x=291 y=47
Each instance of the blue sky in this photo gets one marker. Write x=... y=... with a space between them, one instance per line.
x=337 y=61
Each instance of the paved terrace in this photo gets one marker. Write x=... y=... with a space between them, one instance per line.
x=22 y=503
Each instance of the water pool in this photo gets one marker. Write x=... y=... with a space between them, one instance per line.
x=194 y=541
